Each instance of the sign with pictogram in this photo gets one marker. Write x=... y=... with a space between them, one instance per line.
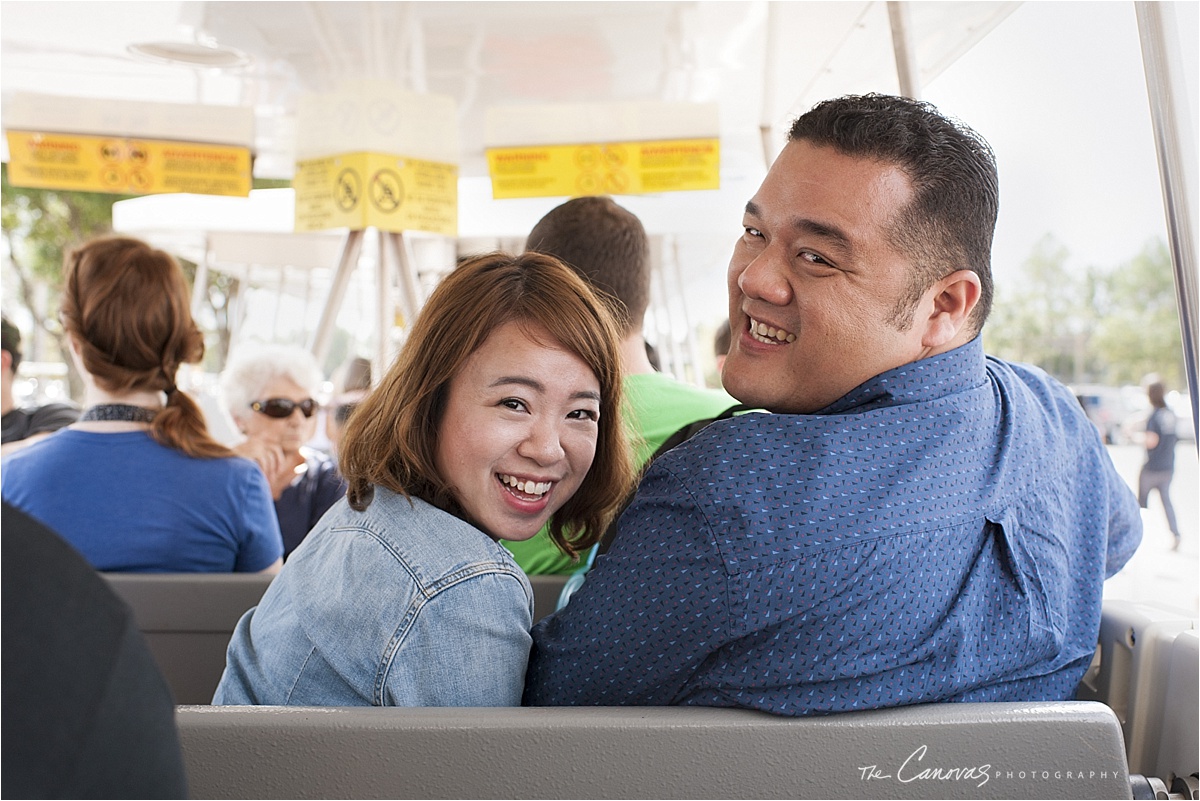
x=615 y=168
x=126 y=166
x=380 y=190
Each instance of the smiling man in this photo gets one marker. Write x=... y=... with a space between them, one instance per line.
x=916 y=522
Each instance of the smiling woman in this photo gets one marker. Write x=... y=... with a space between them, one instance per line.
x=501 y=413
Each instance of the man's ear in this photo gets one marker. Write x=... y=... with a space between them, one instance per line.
x=5 y=360
x=954 y=298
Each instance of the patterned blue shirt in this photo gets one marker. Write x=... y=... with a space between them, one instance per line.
x=941 y=533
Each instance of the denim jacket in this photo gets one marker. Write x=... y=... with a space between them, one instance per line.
x=399 y=605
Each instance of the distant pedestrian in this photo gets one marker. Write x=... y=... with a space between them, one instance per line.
x=1159 y=468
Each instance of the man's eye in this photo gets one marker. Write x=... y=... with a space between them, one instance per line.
x=754 y=232
x=813 y=258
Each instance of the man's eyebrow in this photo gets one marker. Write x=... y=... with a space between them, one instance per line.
x=538 y=386
x=835 y=236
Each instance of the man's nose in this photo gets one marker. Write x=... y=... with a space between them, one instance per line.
x=765 y=278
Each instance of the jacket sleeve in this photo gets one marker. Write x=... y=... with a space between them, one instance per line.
x=650 y=612
x=468 y=647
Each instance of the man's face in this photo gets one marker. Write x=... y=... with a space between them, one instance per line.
x=814 y=281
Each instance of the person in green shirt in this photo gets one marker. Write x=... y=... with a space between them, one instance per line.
x=607 y=245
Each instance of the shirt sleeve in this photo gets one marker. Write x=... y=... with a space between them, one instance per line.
x=1124 y=521
x=261 y=543
x=482 y=663
x=51 y=417
x=650 y=612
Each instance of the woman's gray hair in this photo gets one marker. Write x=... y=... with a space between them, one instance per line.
x=253 y=367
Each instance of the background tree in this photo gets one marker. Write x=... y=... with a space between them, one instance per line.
x=1091 y=326
x=1137 y=329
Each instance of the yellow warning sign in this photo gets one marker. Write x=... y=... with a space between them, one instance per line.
x=384 y=191
x=618 y=168
x=126 y=166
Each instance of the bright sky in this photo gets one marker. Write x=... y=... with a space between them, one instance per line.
x=1059 y=91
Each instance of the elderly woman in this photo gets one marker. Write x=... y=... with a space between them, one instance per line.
x=270 y=394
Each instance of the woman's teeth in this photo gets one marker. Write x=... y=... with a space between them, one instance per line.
x=527 y=487
x=772 y=336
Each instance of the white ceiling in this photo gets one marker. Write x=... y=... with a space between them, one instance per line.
x=761 y=62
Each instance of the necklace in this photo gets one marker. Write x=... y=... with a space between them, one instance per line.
x=108 y=412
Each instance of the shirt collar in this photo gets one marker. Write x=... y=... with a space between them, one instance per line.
x=922 y=380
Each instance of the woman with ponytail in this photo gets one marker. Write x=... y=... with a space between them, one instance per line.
x=138 y=484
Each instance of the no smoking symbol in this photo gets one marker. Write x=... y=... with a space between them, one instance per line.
x=347 y=190
x=387 y=193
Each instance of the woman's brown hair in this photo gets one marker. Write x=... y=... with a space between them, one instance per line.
x=126 y=306
x=391 y=439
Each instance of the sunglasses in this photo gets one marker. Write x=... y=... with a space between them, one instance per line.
x=283 y=407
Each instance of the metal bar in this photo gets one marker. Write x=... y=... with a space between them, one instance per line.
x=902 y=45
x=200 y=284
x=692 y=351
x=384 y=309
x=321 y=338
x=1166 y=89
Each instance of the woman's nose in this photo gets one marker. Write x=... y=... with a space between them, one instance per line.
x=543 y=443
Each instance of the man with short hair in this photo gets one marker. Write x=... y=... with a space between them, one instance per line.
x=21 y=427
x=607 y=246
x=917 y=522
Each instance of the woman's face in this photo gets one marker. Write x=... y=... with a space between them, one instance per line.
x=288 y=432
x=519 y=431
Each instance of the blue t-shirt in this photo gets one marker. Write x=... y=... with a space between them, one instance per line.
x=1161 y=458
x=940 y=533
x=129 y=504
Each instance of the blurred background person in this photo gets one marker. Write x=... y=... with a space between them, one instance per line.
x=721 y=345
x=1161 y=438
x=270 y=392
x=352 y=386
x=138 y=484
x=23 y=426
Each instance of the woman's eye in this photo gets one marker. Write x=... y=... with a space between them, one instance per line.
x=513 y=403
x=584 y=414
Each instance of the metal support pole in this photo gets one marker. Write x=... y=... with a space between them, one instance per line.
x=1168 y=112
x=902 y=45
x=200 y=284
x=385 y=309
x=692 y=351
x=321 y=338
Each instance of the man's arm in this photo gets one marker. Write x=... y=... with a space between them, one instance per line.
x=651 y=611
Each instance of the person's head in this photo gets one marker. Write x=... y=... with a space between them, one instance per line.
x=12 y=344
x=270 y=392
x=1155 y=391
x=126 y=311
x=866 y=247
x=721 y=344
x=605 y=244
x=356 y=374
x=511 y=374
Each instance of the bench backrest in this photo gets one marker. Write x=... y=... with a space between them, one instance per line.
x=1053 y=750
x=187 y=620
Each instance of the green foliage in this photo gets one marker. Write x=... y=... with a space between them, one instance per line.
x=1091 y=326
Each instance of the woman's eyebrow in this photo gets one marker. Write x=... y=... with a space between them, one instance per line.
x=538 y=386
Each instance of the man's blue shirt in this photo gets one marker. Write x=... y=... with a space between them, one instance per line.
x=941 y=533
